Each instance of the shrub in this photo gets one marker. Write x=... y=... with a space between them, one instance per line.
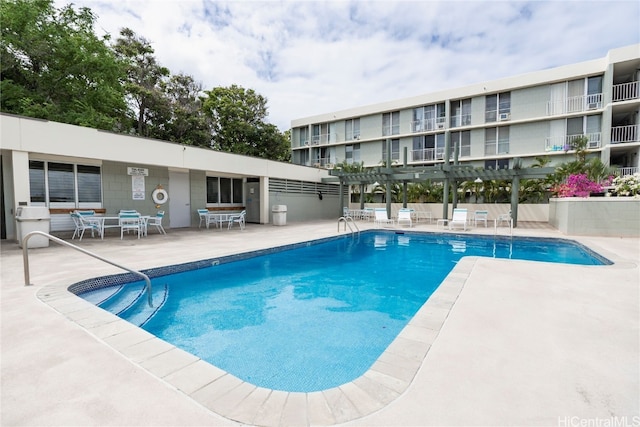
x=577 y=185
x=628 y=185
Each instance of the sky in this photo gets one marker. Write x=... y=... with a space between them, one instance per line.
x=315 y=57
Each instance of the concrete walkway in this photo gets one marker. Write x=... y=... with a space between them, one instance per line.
x=520 y=343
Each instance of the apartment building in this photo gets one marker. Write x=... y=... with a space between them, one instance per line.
x=491 y=123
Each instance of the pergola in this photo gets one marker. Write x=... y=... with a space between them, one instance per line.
x=447 y=172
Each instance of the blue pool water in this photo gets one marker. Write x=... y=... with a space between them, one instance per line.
x=316 y=316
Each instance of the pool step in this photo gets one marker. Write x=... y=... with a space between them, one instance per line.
x=139 y=312
x=123 y=298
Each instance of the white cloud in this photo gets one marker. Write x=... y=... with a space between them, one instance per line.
x=311 y=57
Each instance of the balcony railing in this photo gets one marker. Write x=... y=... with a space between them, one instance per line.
x=426 y=125
x=461 y=120
x=626 y=91
x=564 y=143
x=323 y=138
x=324 y=162
x=626 y=171
x=575 y=104
x=427 y=155
x=624 y=134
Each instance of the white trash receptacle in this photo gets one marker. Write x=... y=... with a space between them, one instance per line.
x=279 y=214
x=33 y=218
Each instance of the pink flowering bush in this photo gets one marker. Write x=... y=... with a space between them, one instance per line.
x=577 y=185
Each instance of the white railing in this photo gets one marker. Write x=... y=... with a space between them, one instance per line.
x=575 y=104
x=626 y=171
x=461 y=120
x=427 y=154
x=624 y=134
x=426 y=125
x=563 y=143
x=324 y=138
x=626 y=91
x=324 y=162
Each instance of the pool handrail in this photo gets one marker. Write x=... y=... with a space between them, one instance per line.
x=25 y=257
x=346 y=220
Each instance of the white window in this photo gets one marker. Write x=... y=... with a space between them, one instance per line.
x=498 y=107
x=352 y=129
x=65 y=185
x=352 y=153
x=496 y=141
x=391 y=123
x=224 y=191
x=462 y=140
x=395 y=150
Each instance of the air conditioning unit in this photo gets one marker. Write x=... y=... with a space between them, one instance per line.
x=504 y=116
x=440 y=125
x=592 y=106
x=306 y=143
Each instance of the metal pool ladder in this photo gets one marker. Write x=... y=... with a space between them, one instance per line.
x=25 y=257
x=346 y=220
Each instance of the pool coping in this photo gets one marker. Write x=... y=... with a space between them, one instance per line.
x=226 y=395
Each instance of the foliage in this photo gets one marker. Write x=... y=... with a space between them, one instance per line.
x=580 y=145
x=237 y=118
x=628 y=185
x=578 y=185
x=54 y=67
x=147 y=102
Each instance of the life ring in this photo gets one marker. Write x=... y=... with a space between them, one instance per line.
x=160 y=196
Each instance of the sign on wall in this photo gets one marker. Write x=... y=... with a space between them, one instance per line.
x=137 y=182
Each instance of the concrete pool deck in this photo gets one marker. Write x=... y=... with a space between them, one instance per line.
x=503 y=342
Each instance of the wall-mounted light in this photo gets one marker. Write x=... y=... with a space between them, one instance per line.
x=320 y=195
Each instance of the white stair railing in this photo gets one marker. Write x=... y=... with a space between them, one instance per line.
x=25 y=257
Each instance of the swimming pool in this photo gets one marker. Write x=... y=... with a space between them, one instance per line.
x=318 y=314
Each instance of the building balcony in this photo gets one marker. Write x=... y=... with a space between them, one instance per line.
x=324 y=162
x=620 y=134
x=564 y=143
x=626 y=91
x=324 y=138
x=575 y=104
x=461 y=120
x=626 y=171
x=427 y=125
x=427 y=155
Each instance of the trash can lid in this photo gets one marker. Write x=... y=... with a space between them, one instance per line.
x=32 y=212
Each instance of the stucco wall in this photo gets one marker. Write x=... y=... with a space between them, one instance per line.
x=596 y=216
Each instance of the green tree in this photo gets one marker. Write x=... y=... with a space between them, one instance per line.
x=238 y=121
x=54 y=67
x=144 y=85
x=187 y=124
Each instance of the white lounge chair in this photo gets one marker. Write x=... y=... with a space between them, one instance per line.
x=381 y=217
x=156 y=221
x=480 y=216
x=459 y=218
x=404 y=217
x=239 y=219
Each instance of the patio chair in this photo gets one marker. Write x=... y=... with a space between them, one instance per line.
x=204 y=217
x=83 y=223
x=239 y=219
x=503 y=218
x=404 y=217
x=480 y=216
x=459 y=218
x=381 y=217
x=129 y=221
x=156 y=221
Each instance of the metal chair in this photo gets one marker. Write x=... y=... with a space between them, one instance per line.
x=156 y=221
